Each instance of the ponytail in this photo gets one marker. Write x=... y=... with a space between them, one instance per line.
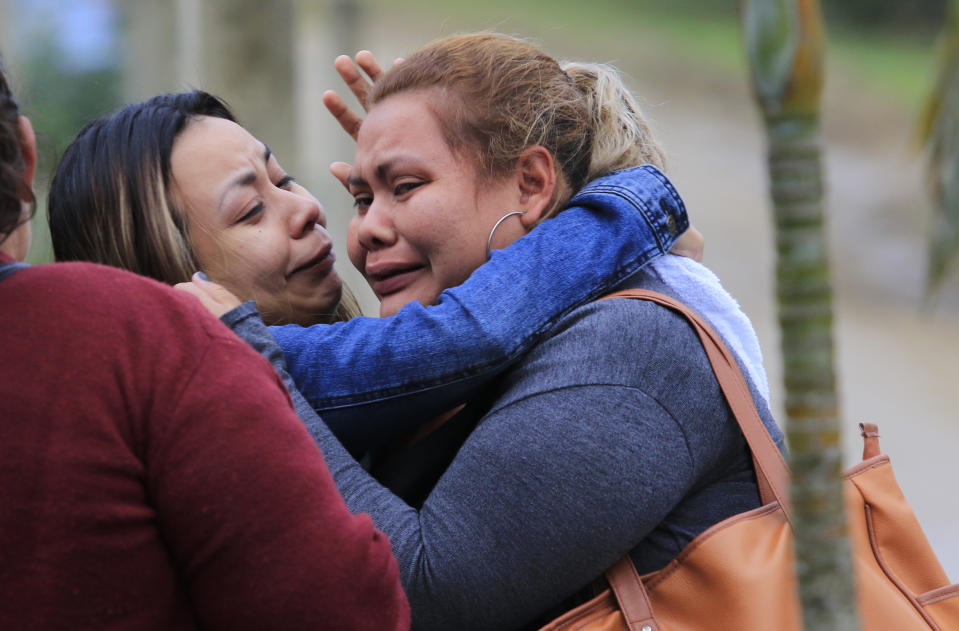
x=620 y=135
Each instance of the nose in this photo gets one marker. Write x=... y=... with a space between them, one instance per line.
x=305 y=213
x=374 y=228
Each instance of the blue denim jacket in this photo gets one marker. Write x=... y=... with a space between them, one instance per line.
x=373 y=379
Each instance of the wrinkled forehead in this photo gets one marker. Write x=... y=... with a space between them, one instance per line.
x=208 y=155
x=209 y=143
x=407 y=125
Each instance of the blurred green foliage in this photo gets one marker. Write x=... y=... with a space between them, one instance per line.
x=914 y=16
x=60 y=100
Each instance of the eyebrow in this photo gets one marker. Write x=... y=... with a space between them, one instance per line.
x=384 y=168
x=356 y=181
x=244 y=179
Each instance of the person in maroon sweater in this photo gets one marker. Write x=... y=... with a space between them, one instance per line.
x=153 y=474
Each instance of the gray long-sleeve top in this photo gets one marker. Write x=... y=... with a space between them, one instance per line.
x=610 y=437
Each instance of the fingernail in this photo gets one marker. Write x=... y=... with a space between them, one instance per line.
x=203 y=276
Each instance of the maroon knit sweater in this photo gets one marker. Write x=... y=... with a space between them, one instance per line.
x=154 y=476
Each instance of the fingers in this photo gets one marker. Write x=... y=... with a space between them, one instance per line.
x=214 y=290
x=358 y=85
x=366 y=61
x=356 y=82
x=347 y=118
x=341 y=171
x=690 y=244
x=191 y=289
x=216 y=298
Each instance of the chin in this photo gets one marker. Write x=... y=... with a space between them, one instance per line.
x=333 y=289
x=390 y=305
x=318 y=308
x=317 y=314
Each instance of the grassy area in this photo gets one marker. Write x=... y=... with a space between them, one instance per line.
x=900 y=68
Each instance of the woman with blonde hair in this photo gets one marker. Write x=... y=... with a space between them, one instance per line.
x=611 y=436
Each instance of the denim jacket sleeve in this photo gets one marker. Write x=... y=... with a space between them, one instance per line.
x=373 y=379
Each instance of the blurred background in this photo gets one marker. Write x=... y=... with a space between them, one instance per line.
x=898 y=346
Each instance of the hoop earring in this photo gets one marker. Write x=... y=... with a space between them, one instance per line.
x=489 y=241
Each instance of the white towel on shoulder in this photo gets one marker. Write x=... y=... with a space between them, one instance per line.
x=695 y=285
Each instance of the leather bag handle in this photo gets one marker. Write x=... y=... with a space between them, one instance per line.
x=772 y=473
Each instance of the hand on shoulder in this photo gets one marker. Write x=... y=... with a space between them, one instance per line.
x=216 y=298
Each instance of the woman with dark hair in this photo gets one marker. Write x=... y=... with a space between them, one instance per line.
x=152 y=472
x=110 y=202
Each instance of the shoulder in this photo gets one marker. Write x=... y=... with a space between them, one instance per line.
x=90 y=283
x=89 y=299
x=616 y=343
x=627 y=345
x=618 y=332
x=647 y=346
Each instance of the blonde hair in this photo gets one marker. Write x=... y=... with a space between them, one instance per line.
x=504 y=95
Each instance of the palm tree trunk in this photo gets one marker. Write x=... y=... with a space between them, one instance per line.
x=784 y=44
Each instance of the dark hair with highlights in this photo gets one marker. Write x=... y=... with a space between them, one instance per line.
x=108 y=200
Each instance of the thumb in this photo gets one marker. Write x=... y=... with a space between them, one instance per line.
x=212 y=289
x=341 y=171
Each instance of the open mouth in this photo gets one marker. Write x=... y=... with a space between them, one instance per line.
x=391 y=280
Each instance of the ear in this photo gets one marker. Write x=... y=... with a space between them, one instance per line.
x=28 y=149
x=537 y=184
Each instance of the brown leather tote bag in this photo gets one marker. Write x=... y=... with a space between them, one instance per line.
x=739 y=574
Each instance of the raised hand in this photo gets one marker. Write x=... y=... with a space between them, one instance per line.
x=690 y=244
x=358 y=84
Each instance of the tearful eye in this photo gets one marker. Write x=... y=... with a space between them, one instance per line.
x=256 y=210
x=405 y=187
x=361 y=203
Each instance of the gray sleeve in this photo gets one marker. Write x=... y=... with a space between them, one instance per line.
x=549 y=490
x=245 y=321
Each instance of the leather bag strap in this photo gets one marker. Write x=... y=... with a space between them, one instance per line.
x=631 y=595
x=772 y=473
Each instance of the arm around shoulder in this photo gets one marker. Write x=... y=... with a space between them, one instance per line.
x=426 y=360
